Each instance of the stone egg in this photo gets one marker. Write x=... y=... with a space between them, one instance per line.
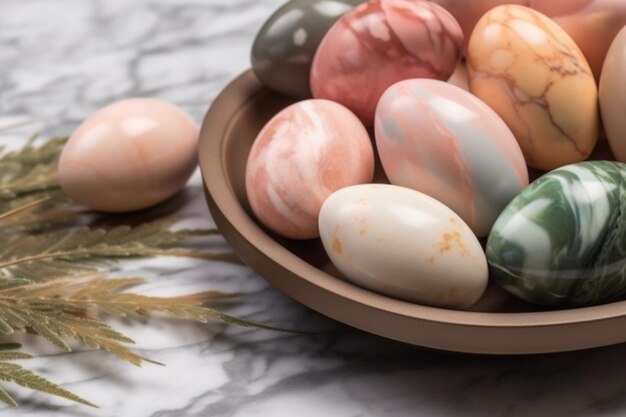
x=380 y=43
x=613 y=96
x=284 y=47
x=468 y=12
x=439 y=139
x=525 y=67
x=592 y=24
x=129 y=155
x=562 y=241
x=301 y=156
x=404 y=244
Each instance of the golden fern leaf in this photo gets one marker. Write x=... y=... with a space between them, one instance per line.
x=64 y=252
x=27 y=175
x=32 y=155
x=12 y=372
x=67 y=308
x=31 y=169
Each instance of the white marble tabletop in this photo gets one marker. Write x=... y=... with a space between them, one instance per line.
x=62 y=59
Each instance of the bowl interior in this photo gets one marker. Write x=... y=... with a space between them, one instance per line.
x=228 y=133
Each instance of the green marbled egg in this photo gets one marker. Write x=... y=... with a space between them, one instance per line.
x=562 y=241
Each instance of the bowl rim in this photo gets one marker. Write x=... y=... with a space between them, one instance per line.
x=262 y=250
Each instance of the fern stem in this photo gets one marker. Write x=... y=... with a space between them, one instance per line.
x=227 y=257
x=24 y=207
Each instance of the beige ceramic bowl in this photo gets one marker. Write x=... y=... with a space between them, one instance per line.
x=498 y=324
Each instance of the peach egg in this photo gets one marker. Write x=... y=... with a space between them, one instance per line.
x=129 y=155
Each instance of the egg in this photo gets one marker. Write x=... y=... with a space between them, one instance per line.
x=526 y=68
x=468 y=12
x=283 y=49
x=404 y=244
x=613 y=96
x=562 y=241
x=592 y=24
x=379 y=43
x=129 y=155
x=302 y=155
x=439 y=139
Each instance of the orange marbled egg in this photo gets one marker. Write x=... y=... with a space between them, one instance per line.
x=528 y=69
x=592 y=24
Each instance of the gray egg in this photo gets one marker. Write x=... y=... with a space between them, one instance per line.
x=284 y=47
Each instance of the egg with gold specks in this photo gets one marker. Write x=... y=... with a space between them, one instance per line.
x=403 y=244
x=528 y=69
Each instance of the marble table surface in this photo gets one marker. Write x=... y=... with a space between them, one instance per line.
x=62 y=59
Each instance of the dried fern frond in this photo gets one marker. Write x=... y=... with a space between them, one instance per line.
x=15 y=125
x=22 y=207
x=43 y=287
x=31 y=169
x=37 y=213
x=60 y=253
x=32 y=155
x=68 y=308
x=12 y=372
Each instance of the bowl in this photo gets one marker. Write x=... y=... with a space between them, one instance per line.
x=497 y=324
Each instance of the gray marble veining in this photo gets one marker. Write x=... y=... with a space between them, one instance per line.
x=62 y=59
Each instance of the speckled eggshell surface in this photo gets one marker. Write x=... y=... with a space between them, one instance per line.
x=380 y=43
x=613 y=96
x=301 y=156
x=436 y=138
x=129 y=155
x=404 y=244
x=525 y=67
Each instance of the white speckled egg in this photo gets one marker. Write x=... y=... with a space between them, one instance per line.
x=129 y=155
x=403 y=244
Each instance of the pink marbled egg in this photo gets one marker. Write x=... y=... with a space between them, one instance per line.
x=440 y=140
x=380 y=43
x=305 y=153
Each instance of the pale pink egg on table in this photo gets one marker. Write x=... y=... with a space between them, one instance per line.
x=439 y=139
x=380 y=43
x=129 y=155
x=301 y=156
